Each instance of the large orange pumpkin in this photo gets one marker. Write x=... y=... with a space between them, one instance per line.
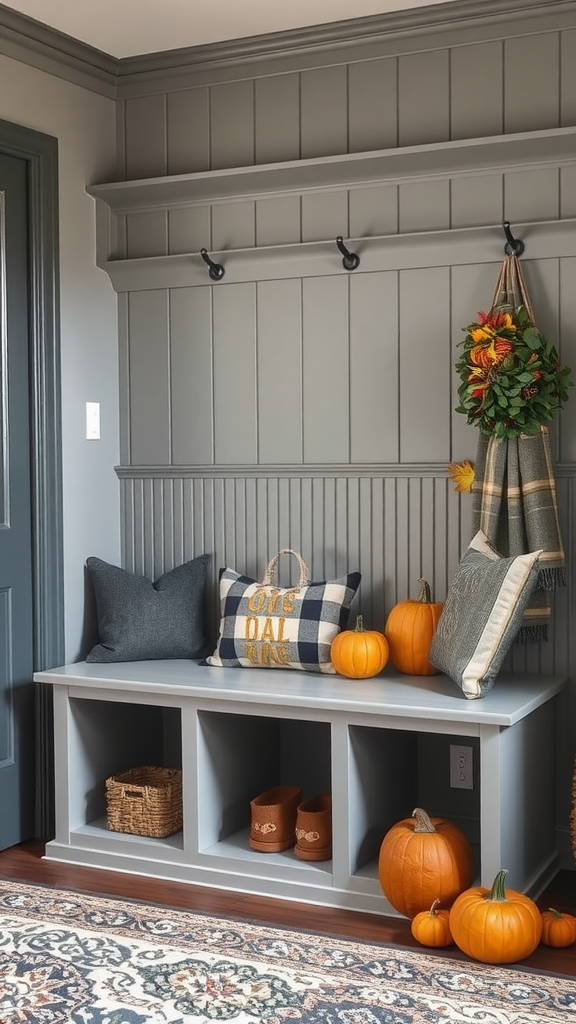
x=359 y=653
x=424 y=859
x=497 y=925
x=409 y=630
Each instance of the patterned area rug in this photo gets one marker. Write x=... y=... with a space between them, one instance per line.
x=70 y=958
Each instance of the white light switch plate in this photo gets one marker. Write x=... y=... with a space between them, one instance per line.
x=92 y=421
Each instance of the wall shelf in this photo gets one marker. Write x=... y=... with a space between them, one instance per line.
x=463 y=156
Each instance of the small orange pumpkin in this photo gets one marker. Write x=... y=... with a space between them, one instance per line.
x=359 y=653
x=423 y=859
x=558 y=929
x=409 y=630
x=497 y=925
x=432 y=927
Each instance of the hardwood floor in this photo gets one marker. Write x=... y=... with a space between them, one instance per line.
x=26 y=863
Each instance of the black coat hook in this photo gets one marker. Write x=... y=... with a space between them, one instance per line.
x=216 y=270
x=514 y=246
x=351 y=260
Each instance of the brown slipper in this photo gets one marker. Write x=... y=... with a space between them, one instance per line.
x=273 y=821
x=314 y=828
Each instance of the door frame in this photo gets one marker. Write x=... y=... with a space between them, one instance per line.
x=40 y=152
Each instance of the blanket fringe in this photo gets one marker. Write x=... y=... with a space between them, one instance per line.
x=532 y=634
x=549 y=579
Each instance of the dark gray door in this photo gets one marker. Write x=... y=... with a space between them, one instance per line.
x=17 y=746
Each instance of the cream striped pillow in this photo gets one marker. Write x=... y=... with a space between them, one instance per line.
x=482 y=615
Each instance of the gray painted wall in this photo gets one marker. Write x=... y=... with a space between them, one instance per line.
x=303 y=406
x=85 y=127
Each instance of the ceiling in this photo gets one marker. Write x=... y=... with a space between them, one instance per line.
x=129 y=28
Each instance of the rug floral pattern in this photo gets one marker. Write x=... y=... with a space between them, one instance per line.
x=70 y=958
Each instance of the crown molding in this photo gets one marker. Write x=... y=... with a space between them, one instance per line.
x=26 y=40
x=371 y=29
x=30 y=42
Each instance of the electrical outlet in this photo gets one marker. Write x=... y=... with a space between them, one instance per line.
x=461 y=767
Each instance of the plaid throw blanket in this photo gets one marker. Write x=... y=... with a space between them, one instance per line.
x=514 y=504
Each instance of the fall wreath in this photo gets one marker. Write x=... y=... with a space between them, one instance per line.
x=512 y=381
x=512 y=378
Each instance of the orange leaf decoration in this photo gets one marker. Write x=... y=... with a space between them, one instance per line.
x=462 y=473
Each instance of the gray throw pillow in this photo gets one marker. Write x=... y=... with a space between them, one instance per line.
x=482 y=615
x=139 y=620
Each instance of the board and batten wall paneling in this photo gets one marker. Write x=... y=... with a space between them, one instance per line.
x=146 y=234
x=277 y=118
x=279 y=372
x=476 y=83
x=232 y=124
x=568 y=191
x=424 y=97
x=188 y=130
x=532 y=82
x=150 y=434
x=373 y=211
x=425 y=365
x=233 y=226
x=374 y=368
x=323 y=112
x=532 y=195
x=404 y=95
x=235 y=409
x=145 y=136
x=326 y=355
x=189 y=230
x=476 y=200
x=568 y=77
x=278 y=220
x=373 y=105
x=191 y=376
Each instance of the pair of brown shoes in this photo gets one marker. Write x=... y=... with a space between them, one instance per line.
x=280 y=820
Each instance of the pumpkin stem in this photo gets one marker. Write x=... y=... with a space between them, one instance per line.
x=434 y=908
x=498 y=892
x=359 y=624
x=423 y=823
x=425 y=595
x=555 y=912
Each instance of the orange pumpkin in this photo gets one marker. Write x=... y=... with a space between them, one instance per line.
x=359 y=653
x=423 y=859
x=432 y=927
x=558 y=929
x=497 y=925
x=409 y=630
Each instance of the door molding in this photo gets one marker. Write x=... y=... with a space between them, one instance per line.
x=41 y=155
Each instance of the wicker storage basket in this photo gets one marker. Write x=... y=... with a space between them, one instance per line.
x=145 y=801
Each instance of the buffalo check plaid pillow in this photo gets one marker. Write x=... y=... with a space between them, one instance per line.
x=263 y=626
